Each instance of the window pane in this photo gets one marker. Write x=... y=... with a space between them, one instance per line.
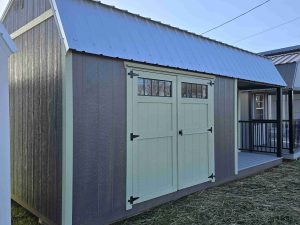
x=183 y=90
x=141 y=87
x=194 y=90
x=259 y=105
x=147 y=87
x=259 y=114
x=154 y=87
x=168 y=87
x=199 y=91
x=204 y=91
x=161 y=88
x=259 y=98
x=189 y=90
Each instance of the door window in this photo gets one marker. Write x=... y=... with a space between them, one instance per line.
x=153 y=87
x=192 y=90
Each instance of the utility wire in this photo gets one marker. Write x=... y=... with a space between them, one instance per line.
x=250 y=10
x=269 y=29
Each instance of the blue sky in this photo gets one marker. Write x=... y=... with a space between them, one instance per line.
x=200 y=15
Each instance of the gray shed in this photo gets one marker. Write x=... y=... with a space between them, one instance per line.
x=113 y=113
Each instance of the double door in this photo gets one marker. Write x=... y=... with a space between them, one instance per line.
x=170 y=134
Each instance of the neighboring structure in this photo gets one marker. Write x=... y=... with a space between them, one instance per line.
x=259 y=106
x=7 y=47
x=114 y=113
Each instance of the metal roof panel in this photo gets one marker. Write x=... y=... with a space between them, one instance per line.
x=96 y=28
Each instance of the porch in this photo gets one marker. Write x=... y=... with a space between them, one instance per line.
x=264 y=123
x=247 y=160
x=257 y=130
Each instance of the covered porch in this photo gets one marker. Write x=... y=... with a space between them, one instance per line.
x=260 y=138
x=261 y=114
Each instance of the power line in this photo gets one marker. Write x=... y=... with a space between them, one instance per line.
x=269 y=29
x=250 y=10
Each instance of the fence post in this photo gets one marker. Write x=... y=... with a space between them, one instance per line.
x=279 y=122
x=291 y=121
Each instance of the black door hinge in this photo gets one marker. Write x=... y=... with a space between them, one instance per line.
x=212 y=176
x=180 y=132
x=132 y=199
x=210 y=130
x=211 y=83
x=132 y=74
x=132 y=136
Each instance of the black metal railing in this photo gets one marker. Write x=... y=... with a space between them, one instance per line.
x=297 y=133
x=261 y=135
x=285 y=134
x=258 y=135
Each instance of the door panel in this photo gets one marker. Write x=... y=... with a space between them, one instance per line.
x=154 y=151
x=194 y=120
x=160 y=160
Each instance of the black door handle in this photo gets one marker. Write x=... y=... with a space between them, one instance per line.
x=180 y=132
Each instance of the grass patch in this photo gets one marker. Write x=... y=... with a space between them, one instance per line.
x=270 y=198
x=22 y=217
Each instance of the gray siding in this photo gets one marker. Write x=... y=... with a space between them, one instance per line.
x=297 y=77
x=36 y=120
x=288 y=72
x=244 y=106
x=23 y=11
x=99 y=86
x=224 y=128
x=99 y=138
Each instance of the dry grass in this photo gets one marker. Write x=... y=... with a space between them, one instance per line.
x=270 y=198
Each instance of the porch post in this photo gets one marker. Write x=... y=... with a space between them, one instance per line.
x=279 y=122
x=291 y=121
x=250 y=102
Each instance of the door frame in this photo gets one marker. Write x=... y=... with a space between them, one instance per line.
x=129 y=66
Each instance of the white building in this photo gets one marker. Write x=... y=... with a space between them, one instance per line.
x=7 y=47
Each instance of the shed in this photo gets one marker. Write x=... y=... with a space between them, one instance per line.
x=114 y=113
x=7 y=47
x=287 y=61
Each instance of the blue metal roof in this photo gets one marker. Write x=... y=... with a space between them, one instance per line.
x=96 y=28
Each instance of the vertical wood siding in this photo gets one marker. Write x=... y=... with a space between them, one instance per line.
x=36 y=120
x=23 y=11
x=224 y=128
x=99 y=86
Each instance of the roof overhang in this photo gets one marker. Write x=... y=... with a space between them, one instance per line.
x=9 y=44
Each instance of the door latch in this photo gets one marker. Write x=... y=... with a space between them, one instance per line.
x=210 y=130
x=133 y=136
x=180 y=132
x=132 y=199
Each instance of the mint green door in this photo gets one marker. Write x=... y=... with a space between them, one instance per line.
x=169 y=146
x=154 y=156
x=195 y=125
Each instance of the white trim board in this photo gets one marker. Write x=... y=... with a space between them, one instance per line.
x=236 y=127
x=67 y=164
x=59 y=24
x=5 y=203
x=43 y=17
